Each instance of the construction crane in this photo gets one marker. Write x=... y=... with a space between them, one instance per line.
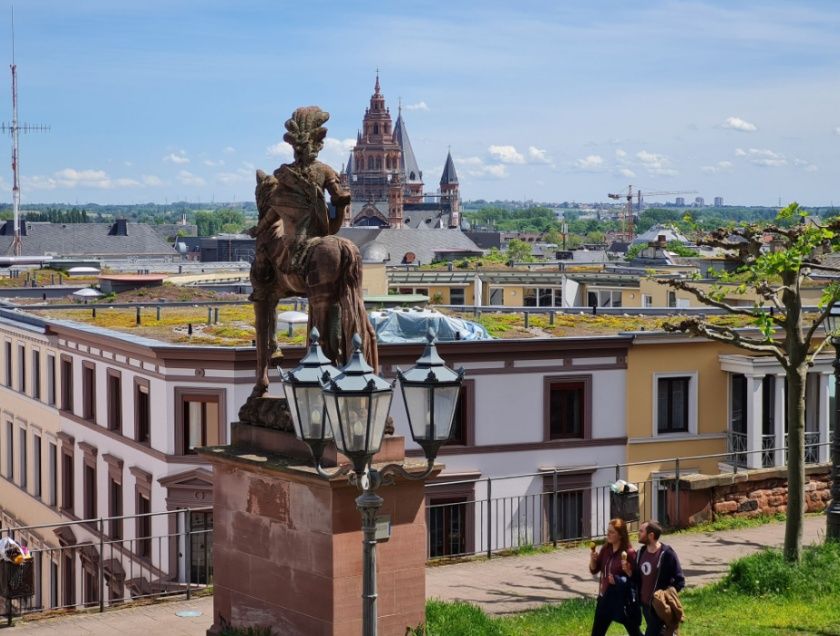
x=627 y=221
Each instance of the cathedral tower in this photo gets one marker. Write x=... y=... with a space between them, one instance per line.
x=450 y=192
x=376 y=155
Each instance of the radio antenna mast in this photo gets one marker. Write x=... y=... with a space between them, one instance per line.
x=14 y=130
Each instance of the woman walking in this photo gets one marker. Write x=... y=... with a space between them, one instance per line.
x=615 y=563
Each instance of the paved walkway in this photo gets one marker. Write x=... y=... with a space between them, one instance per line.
x=499 y=586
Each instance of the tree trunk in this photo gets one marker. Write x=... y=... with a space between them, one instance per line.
x=795 y=411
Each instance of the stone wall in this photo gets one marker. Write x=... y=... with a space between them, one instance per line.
x=747 y=493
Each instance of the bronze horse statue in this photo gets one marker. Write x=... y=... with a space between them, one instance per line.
x=297 y=253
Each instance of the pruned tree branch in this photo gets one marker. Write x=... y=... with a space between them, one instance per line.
x=706 y=299
x=727 y=335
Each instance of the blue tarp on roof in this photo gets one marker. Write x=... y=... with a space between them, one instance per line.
x=412 y=326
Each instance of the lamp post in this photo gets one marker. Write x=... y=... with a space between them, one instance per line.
x=832 y=327
x=356 y=403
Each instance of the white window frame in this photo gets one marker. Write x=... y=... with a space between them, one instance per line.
x=647 y=300
x=694 y=378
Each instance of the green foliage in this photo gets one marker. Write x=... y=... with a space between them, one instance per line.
x=463 y=619
x=519 y=251
x=761 y=595
x=767 y=572
x=212 y=222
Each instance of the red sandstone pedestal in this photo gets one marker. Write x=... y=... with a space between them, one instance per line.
x=287 y=546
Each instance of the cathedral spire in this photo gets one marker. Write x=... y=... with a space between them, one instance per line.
x=376 y=86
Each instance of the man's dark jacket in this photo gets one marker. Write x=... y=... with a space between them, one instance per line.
x=670 y=572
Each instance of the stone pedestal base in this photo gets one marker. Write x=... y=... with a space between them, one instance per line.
x=287 y=548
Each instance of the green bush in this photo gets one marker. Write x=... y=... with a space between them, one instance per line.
x=766 y=572
x=448 y=619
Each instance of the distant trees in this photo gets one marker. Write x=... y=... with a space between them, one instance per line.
x=224 y=220
x=55 y=215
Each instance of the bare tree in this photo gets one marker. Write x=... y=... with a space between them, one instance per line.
x=771 y=263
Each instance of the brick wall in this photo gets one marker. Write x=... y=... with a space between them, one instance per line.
x=747 y=493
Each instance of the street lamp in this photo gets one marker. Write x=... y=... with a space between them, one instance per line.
x=832 y=328
x=356 y=402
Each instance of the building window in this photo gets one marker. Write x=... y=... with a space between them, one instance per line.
x=8 y=357
x=114 y=400
x=144 y=527
x=115 y=495
x=672 y=404
x=738 y=413
x=201 y=423
x=36 y=374
x=456 y=296
x=463 y=421
x=672 y=299
x=201 y=547
x=53 y=584
x=68 y=481
x=604 y=298
x=573 y=501
x=50 y=379
x=66 y=383
x=22 y=482
x=89 y=391
x=115 y=505
x=142 y=422
x=568 y=410
x=497 y=296
x=90 y=492
x=647 y=301
x=450 y=520
x=22 y=368
x=53 y=474
x=10 y=451
x=36 y=465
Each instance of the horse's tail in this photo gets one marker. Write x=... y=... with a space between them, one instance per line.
x=354 y=318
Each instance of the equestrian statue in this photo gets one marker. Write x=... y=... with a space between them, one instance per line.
x=298 y=254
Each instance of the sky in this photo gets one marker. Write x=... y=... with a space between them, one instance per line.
x=162 y=101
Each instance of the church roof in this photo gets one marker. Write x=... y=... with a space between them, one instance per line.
x=350 y=168
x=449 y=175
x=408 y=162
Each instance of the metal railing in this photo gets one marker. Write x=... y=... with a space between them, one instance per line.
x=487 y=521
x=737 y=446
x=107 y=561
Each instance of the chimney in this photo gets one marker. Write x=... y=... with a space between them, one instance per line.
x=119 y=228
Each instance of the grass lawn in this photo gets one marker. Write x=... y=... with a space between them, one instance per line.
x=761 y=595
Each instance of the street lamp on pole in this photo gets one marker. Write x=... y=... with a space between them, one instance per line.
x=356 y=403
x=832 y=327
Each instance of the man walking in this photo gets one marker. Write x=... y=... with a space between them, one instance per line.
x=658 y=568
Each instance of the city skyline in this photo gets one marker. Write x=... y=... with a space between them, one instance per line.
x=184 y=100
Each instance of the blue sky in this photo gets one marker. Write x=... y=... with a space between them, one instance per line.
x=183 y=99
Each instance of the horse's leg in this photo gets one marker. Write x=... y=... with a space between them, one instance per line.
x=265 y=321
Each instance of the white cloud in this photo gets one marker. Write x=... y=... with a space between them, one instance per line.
x=736 y=123
x=214 y=164
x=837 y=130
x=620 y=154
x=239 y=176
x=626 y=172
x=72 y=178
x=506 y=154
x=656 y=164
x=762 y=157
x=229 y=150
x=179 y=158
x=719 y=167
x=418 y=106
x=590 y=163
x=538 y=155
x=807 y=166
x=280 y=149
x=476 y=168
x=189 y=179
x=151 y=180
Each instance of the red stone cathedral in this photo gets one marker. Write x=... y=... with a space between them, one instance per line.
x=386 y=182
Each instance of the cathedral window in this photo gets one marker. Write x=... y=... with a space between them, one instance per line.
x=379 y=163
x=411 y=176
x=370 y=163
x=376 y=129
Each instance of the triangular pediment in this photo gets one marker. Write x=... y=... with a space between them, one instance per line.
x=194 y=478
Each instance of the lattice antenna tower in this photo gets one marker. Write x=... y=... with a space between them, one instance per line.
x=14 y=129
